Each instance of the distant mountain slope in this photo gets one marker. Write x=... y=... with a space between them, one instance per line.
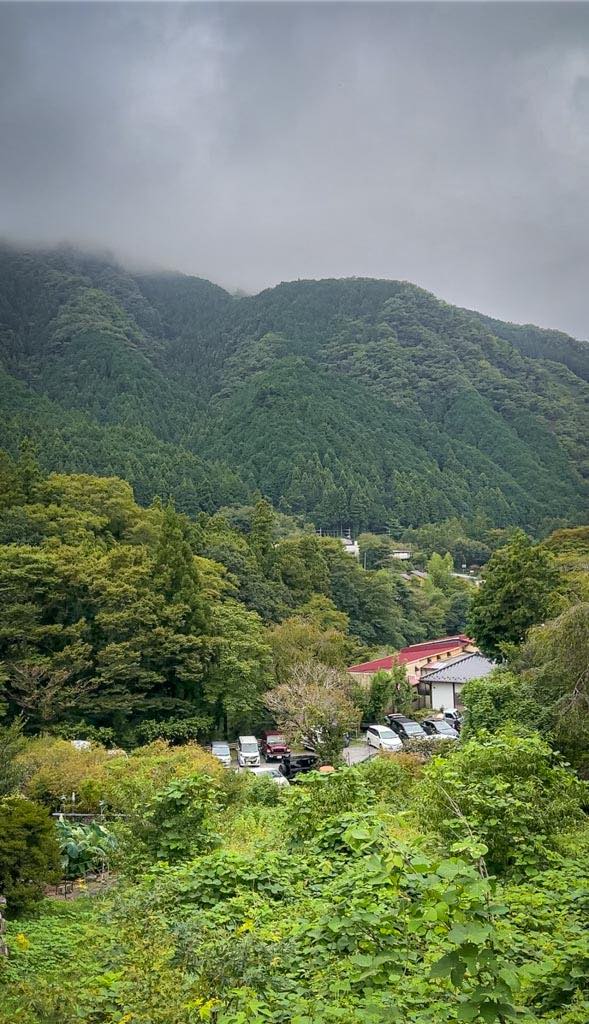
x=539 y=343
x=355 y=401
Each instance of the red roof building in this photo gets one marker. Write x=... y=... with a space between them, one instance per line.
x=417 y=658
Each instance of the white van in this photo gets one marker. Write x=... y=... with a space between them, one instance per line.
x=248 y=752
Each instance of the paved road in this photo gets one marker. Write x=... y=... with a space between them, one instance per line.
x=358 y=751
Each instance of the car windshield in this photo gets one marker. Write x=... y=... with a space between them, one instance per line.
x=443 y=727
x=412 y=727
x=275 y=738
x=387 y=734
x=249 y=748
x=221 y=748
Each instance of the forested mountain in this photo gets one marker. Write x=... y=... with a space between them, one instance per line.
x=355 y=402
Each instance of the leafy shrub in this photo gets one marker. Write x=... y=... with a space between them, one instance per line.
x=493 y=702
x=427 y=747
x=352 y=833
x=53 y=767
x=29 y=854
x=101 y=734
x=174 y=824
x=317 y=797
x=173 y=730
x=505 y=790
x=178 y=821
x=130 y=782
x=84 y=848
x=390 y=776
x=262 y=792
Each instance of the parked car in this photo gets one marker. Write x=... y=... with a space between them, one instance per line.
x=221 y=751
x=406 y=728
x=270 y=771
x=383 y=738
x=297 y=764
x=248 y=752
x=274 y=746
x=439 y=729
x=454 y=718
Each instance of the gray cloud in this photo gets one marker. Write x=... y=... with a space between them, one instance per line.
x=446 y=144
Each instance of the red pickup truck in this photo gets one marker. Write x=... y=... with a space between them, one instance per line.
x=274 y=746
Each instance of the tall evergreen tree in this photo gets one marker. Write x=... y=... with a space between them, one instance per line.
x=520 y=590
x=175 y=573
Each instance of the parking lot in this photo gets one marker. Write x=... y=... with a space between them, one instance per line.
x=357 y=751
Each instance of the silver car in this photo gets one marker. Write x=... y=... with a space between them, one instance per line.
x=272 y=772
x=221 y=751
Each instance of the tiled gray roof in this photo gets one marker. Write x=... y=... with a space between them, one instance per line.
x=460 y=669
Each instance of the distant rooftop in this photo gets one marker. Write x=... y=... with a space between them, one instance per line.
x=460 y=669
x=414 y=653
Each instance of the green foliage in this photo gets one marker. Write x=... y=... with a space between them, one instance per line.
x=358 y=403
x=440 y=570
x=29 y=854
x=554 y=667
x=315 y=707
x=506 y=792
x=84 y=848
x=173 y=730
x=499 y=699
x=126 y=624
x=52 y=768
x=130 y=783
x=325 y=905
x=386 y=691
x=12 y=743
x=520 y=590
x=178 y=820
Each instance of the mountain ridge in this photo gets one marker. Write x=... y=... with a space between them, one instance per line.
x=355 y=401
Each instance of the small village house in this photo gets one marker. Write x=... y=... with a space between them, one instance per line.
x=441 y=687
x=425 y=661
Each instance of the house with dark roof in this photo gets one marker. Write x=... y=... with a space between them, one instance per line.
x=441 y=686
x=417 y=658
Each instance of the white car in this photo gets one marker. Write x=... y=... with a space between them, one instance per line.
x=270 y=771
x=248 y=752
x=383 y=738
x=222 y=752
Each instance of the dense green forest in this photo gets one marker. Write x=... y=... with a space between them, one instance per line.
x=138 y=620
x=355 y=403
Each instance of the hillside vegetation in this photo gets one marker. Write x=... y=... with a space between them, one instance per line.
x=360 y=403
x=152 y=598
x=394 y=891
x=141 y=621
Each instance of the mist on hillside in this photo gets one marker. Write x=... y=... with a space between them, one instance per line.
x=442 y=144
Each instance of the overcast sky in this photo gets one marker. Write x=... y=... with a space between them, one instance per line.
x=443 y=144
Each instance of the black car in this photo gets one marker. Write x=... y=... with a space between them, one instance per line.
x=406 y=728
x=297 y=764
x=440 y=729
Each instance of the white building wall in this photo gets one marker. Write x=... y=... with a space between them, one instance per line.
x=442 y=696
